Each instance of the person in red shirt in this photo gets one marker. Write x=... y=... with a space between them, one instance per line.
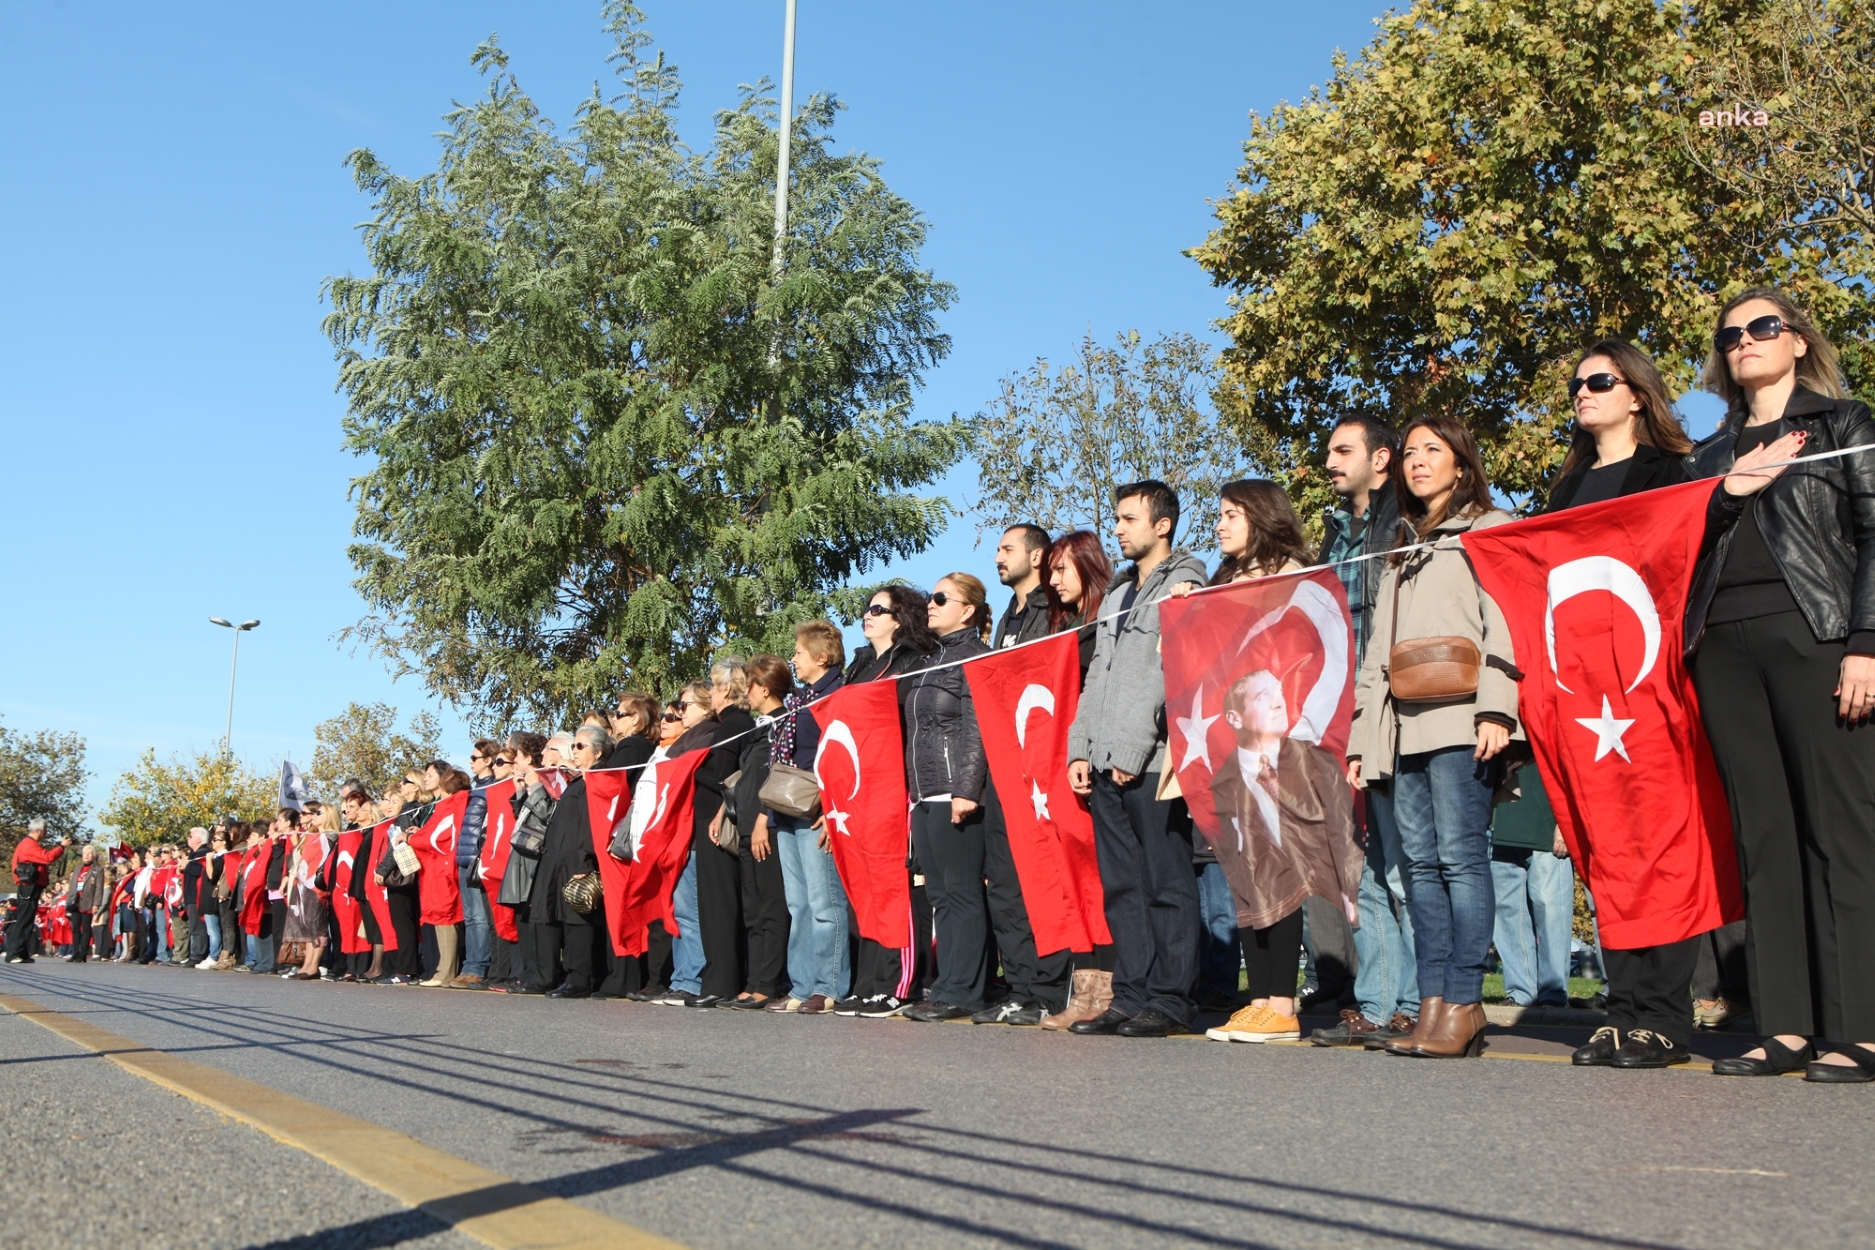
x=30 y=858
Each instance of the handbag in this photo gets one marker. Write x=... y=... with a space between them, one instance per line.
x=518 y=882
x=791 y=791
x=582 y=893
x=1430 y=670
x=407 y=861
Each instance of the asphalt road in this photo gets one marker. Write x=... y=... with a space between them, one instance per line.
x=742 y=1129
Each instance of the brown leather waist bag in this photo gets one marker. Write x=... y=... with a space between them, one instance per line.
x=1430 y=670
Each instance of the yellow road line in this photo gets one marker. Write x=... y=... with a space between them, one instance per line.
x=494 y=1209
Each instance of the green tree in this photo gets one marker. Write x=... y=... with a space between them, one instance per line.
x=161 y=801
x=1491 y=186
x=42 y=774
x=364 y=742
x=1055 y=442
x=605 y=438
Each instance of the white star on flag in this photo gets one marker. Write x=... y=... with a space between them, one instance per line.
x=1608 y=731
x=1196 y=728
x=1040 y=799
x=838 y=819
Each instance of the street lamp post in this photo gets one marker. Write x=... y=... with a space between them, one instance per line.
x=227 y=737
x=787 y=132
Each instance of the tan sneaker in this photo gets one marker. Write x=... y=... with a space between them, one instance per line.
x=1258 y=1024
x=1245 y=1019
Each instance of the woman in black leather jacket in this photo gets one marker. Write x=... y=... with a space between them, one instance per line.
x=946 y=773
x=1782 y=617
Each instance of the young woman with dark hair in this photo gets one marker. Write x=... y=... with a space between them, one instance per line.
x=1627 y=438
x=1075 y=574
x=1441 y=757
x=1781 y=626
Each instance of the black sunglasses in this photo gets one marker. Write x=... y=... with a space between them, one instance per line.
x=1763 y=329
x=878 y=609
x=1598 y=383
x=673 y=716
x=939 y=599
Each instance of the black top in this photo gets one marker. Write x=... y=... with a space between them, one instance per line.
x=1750 y=583
x=1024 y=620
x=1602 y=483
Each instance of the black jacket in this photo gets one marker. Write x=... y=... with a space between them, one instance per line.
x=1650 y=469
x=1818 y=520
x=868 y=665
x=943 y=750
x=1024 y=620
x=566 y=854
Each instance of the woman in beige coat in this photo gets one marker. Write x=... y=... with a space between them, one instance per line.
x=1441 y=757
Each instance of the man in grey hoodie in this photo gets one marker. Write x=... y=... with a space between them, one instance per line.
x=1116 y=753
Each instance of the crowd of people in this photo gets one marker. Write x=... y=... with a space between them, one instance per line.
x=1780 y=632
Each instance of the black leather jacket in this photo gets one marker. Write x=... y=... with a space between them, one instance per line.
x=943 y=750
x=1818 y=521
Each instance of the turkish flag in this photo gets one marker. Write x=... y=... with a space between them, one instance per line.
x=313 y=849
x=439 y=892
x=1596 y=600
x=344 y=906
x=1294 y=627
x=497 y=845
x=861 y=769
x=657 y=803
x=376 y=894
x=1051 y=833
x=253 y=886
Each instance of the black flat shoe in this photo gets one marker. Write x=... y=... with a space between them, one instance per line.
x=1644 y=1048
x=1108 y=1022
x=1861 y=1072
x=1600 y=1050
x=1150 y=1023
x=1778 y=1060
x=564 y=992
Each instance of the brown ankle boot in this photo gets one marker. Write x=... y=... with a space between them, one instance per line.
x=1102 y=996
x=1080 y=997
x=1459 y=1034
x=1430 y=1009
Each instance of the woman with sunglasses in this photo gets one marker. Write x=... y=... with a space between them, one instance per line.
x=898 y=640
x=696 y=726
x=1627 y=440
x=1781 y=627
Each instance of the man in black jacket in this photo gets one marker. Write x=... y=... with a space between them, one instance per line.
x=1019 y=567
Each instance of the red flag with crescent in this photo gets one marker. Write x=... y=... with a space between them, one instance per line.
x=344 y=906
x=497 y=845
x=1296 y=629
x=439 y=891
x=861 y=769
x=1025 y=701
x=253 y=886
x=655 y=805
x=376 y=895
x=1596 y=600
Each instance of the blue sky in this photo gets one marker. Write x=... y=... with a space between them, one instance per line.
x=177 y=195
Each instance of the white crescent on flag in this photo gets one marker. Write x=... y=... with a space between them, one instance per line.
x=446 y=825
x=1318 y=706
x=839 y=731
x=1034 y=695
x=1576 y=577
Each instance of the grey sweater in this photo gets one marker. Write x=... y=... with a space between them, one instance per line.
x=1121 y=721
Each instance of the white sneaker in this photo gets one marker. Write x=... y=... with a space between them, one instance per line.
x=210 y=962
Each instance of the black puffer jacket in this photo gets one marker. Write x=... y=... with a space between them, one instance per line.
x=1818 y=520
x=868 y=665
x=943 y=750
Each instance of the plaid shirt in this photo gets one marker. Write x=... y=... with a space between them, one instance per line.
x=1346 y=536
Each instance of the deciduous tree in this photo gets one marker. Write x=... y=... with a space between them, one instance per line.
x=160 y=801
x=42 y=774
x=604 y=438
x=364 y=742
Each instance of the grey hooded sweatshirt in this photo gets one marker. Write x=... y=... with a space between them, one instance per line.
x=1121 y=721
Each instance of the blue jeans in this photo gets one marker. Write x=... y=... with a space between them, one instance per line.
x=211 y=921
x=817 y=950
x=1220 y=956
x=159 y=932
x=1442 y=801
x=1535 y=911
x=477 y=928
x=1387 y=982
x=687 y=946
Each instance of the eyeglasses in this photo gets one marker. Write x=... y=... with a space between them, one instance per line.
x=878 y=609
x=673 y=716
x=1599 y=383
x=939 y=599
x=1763 y=329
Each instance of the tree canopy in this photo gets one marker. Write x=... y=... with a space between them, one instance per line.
x=1489 y=187
x=42 y=774
x=160 y=801
x=603 y=437
x=364 y=742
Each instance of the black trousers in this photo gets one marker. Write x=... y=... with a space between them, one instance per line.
x=1032 y=977
x=81 y=935
x=719 y=909
x=1802 y=791
x=20 y=931
x=540 y=955
x=1651 y=988
x=198 y=936
x=952 y=859
x=504 y=964
x=1721 y=969
x=580 y=952
x=406 y=960
x=765 y=919
x=1144 y=845
x=1271 y=957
